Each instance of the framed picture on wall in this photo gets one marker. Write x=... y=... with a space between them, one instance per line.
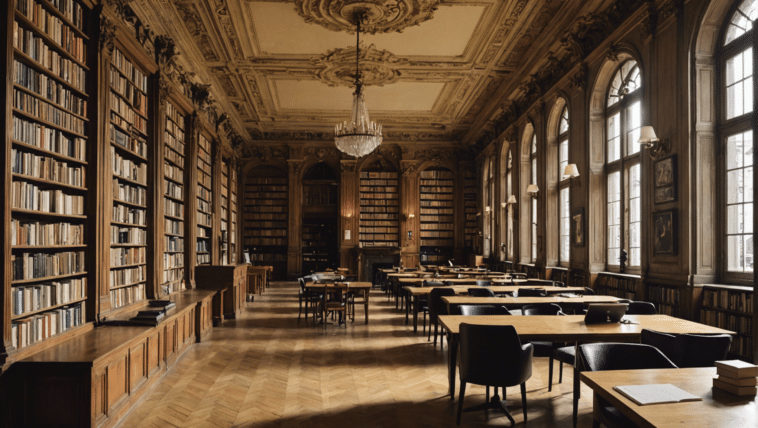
x=665 y=230
x=665 y=180
x=578 y=231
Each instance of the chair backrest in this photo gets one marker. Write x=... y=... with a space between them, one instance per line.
x=559 y=284
x=483 y=283
x=519 y=275
x=436 y=305
x=302 y=283
x=481 y=292
x=702 y=350
x=542 y=282
x=588 y=291
x=532 y=292
x=641 y=308
x=483 y=310
x=432 y=284
x=665 y=343
x=542 y=309
x=622 y=356
x=493 y=355
x=448 y=283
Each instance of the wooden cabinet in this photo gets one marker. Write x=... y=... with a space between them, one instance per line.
x=232 y=280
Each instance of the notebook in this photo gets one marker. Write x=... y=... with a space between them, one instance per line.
x=656 y=394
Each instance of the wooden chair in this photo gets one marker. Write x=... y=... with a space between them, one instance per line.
x=437 y=307
x=335 y=301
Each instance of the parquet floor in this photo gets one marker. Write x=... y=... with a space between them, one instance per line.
x=267 y=369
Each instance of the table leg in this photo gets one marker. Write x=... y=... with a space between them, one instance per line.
x=407 y=308
x=365 y=300
x=452 y=357
x=577 y=383
x=416 y=307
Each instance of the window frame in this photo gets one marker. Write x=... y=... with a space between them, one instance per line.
x=564 y=184
x=533 y=208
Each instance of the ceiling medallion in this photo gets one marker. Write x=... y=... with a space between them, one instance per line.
x=382 y=16
x=337 y=67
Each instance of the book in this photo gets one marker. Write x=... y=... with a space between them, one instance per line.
x=736 y=369
x=734 y=389
x=655 y=394
x=746 y=381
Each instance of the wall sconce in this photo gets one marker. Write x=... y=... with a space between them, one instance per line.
x=503 y=205
x=571 y=172
x=487 y=209
x=648 y=140
x=532 y=190
x=512 y=204
x=407 y=217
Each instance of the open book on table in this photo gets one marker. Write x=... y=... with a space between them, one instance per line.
x=656 y=394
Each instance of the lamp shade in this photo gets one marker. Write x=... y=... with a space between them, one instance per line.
x=571 y=171
x=512 y=199
x=647 y=135
x=532 y=189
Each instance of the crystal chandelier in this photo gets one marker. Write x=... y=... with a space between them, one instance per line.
x=360 y=136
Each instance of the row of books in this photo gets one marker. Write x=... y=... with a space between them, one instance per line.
x=436 y=218
x=49 y=23
x=378 y=189
x=310 y=198
x=436 y=199
x=202 y=232
x=174 y=227
x=437 y=211
x=367 y=235
x=667 y=295
x=379 y=198
x=436 y=226
x=734 y=300
x=47 y=168
x=25 y=332
x=265 y=209
x=127 y=295
x=249 y=241
x=629 y=284
x=738 y=323
x=53 y=140
x=394 y=230
x=268 y=257
x=265 y=216
x=127 y=168
x=132 y=143
x=43 y=265
x=172 y=172
x=438 y=183
x=203 y=206
x=379 y=209
x=174 y=244
x=434 y=257
x=436 y=189
x=171 y=275
x=266 y=180
x=119 y=277
x=174 y=157
x=46 y=111
x=172 y=189
x=35 y=233
x=130 y=215
x=203 y=219
x=127 y=69
x=366 y=174
x=368 y=241
x=265 y=195
x=268 y=232
x=436 y=174
x=127 y=256
x=48 y=88
x=173 y=208
x=173 y=261
x=48 y=57
x=378 y=222
x=124 y=109
x=278 y=190
x=436 y=234
x=202 y=246
x=437 y=242
x=70 y=9
x=128 y=235
x=266 y=224
x=176 y=117
x=174 y=136
x=27 y=196
x=33 y=298
x=129 y=193
x=616 y=292
x=203 y=259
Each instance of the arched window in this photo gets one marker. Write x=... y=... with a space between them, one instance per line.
x=511 y=202
x=533 y=180
x=486 y=202
x=622 y=168
x=564 y=205
x=736 y=131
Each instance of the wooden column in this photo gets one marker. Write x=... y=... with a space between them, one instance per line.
x=349 y=215
x=409 y=204
x=190 y=209
x=216 y=206
x=295 y=230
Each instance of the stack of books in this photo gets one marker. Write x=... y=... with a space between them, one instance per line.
x=154 y=313
x=736 y=376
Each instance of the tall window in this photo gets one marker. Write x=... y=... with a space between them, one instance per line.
x=623 y=122
x=737 y=139
x=533 y=180
x=508 y=194
x=564 y=252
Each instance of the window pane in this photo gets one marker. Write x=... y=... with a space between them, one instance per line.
x=534 y=144
x=614 y=217
x=739 y=209
x=739 y=84
x=633 y=124
x=742 y=20
x=564 y=225
x=534 y=229
x=614 y=137
x=563 y=158
x=564 y=124
x=635 y=227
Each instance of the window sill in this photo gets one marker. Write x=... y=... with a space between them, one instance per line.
x=622 y=275
x=727 y=287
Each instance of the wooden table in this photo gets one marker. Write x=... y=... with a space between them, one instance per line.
x=718 y=408
x=363 y=287
x=571 y=302
x=569 y=328
x=414 y=293
x=461 y=281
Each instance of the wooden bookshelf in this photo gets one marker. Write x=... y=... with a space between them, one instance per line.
x=320 y=219
x=224 y=220
x=618 y=285
x=667 y=299
x=380 y=206
x=47 y=170
x=233 y=183
x=174 y=141
x=436 y=217
x=731 y=308
x=469 y=210
x=204 y=201
x=319 y=242
x=265 y=218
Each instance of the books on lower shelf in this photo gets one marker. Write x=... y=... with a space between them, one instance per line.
x=656 y=394
x=36 y=328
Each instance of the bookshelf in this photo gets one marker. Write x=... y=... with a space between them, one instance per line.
x=618 y=285
x=469 y=210
x=224 y=220
x=667 y=300
x=174 y=140
x=319 y=241
x=436 y=215
x=265 y=218
x=48 y=159
x=233 y=217
x=128 y=102
x=731 y=308
x=204 y=201
x=320 y=219
x=379 y=219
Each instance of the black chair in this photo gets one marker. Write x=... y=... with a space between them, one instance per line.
x=545 y=349
x=469 y=310
x=532 y=292
x=493 y=356
x=617 y=356
x=481 y=292
x=432 y=284
x=483 y=283
x=448 y=283
x=540 y=282
x=423 y=303
x=641 y=308
x=588 y=291
x=307 y=298
x=689 y=350
x=437 y=307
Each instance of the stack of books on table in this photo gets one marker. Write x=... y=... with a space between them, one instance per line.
x=737 y=377
x=154 y=313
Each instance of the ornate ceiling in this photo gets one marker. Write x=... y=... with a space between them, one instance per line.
x=436 y=70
